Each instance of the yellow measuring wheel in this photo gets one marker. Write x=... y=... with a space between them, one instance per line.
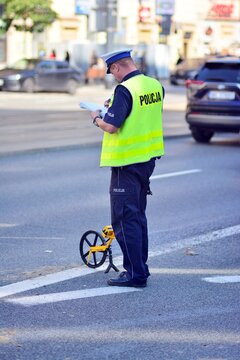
x=95 y=247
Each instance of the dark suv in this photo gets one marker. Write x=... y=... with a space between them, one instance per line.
x=214 y=99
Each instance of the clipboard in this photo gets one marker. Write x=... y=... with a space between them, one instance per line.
x=90 y=106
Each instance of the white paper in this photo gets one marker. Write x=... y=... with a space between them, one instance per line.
x=90 y=106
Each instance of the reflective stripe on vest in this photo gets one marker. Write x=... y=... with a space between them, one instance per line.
x=140 y=137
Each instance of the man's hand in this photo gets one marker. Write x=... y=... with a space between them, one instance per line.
x=102 y=124
x=95 y=113
x=106 y=103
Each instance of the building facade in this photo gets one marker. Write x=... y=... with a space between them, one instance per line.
x=159 y=30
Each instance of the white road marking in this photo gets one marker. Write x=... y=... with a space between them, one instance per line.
x=7 y=225
x=118 y=334
x=49 y=279
x=197 y=240
x=223 y=279
x=70 y=295
x=44 y=280
x=196 y=271
x=162 y=176
x=32 y=237
x=15 y=169
x=178 y=173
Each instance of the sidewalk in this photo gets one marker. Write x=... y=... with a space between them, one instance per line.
x=51 y=120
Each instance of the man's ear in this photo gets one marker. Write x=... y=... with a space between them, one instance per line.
x=116 y=67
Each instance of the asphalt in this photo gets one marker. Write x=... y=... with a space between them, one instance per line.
x=41 y=121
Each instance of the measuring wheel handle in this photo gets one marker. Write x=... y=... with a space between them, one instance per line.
x=111 y=264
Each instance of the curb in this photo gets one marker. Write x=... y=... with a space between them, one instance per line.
x=73 y=146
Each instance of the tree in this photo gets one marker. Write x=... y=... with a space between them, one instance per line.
x=27 y=15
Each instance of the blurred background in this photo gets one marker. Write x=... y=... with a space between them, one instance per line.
x=162 y=33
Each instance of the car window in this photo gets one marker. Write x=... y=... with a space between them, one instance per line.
x=194 y=62
x=190 y=64
x=221 y=72
x=46 y=65
x=62 y=65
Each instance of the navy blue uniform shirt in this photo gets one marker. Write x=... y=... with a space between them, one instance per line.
x=122 y=103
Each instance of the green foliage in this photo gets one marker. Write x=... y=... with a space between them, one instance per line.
x=31 y=15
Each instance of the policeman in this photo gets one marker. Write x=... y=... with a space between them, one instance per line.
x=133 y=140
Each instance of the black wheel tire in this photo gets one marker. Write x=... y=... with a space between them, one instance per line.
x=88 y=239
x=72 y=86
x=202 y=135
x=28 y=86
x=173 y=82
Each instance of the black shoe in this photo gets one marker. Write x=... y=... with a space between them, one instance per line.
x=123 y=274
x=122 y=280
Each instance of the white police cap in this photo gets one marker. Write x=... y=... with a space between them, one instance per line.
x=114 y=56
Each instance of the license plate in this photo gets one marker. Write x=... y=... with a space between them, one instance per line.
x=221 y=95
x=1 y=82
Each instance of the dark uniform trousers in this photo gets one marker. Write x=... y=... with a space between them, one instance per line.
x=128 y=194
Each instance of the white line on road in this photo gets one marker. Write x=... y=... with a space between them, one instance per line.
x=44 y=280
x=49 y=279
x=70 y=295
x=178 y=173
x=197 y=240
x=32 y=237
x=223 y=279
x=162 y=176
x=118 y=335
x=7 y=225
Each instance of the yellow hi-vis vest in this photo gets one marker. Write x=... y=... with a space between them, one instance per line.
x=140 y=138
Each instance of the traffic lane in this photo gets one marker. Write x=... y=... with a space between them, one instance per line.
x=50 y=120
x=179 y=314
x=54 y=197
x=198 y=201
x=29 y=130
x=47 y=202
x=59 y=276
x=41 y=178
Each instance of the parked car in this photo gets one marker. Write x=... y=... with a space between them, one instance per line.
x=40 y=75
x=186 y=69
x=213 y=99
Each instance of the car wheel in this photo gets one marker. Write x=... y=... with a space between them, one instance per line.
x=72 y=86
x=28 y=86
x=173 y=82
x=202 y=135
